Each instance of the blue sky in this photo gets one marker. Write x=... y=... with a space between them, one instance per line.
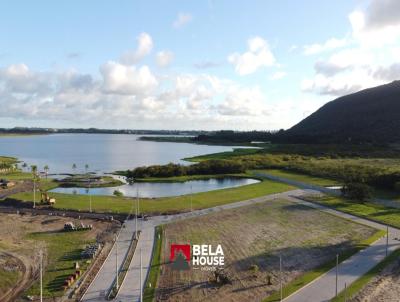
x=189 y=64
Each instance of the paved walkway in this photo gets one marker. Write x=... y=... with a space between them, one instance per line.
x=324 y=288
x=106 y=275
x=130 y=289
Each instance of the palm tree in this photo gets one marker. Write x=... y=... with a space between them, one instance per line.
x=86 y=168
x=74 y=167
x=24 y=165
x=46 y=169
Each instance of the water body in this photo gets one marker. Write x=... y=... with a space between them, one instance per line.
x=102 y=152
x=163 y=189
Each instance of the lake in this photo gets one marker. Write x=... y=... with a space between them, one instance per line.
x=165 y=189
x=102 y=152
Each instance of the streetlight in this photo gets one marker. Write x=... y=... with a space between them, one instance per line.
x=337 y=272
x=141 y=284
x=280 y=276
x=41 y=276
x=116 y=263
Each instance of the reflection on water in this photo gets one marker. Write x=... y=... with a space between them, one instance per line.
x=163 y=189
x=102 y=152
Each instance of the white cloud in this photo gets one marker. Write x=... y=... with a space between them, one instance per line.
x=258 y=55
x=330 y=44
x=278 y=75
x=145 y=45
x=164 y=58
x=121 y=79
x=369 y=57
x=243 y=102
x=182 y=19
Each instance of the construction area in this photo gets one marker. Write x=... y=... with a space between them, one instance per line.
x=72 y=251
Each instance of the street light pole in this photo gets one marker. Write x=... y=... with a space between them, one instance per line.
x=116 y=262
x=337 y=272
x=41 y=276
x=387 y=239
x=280 y=276
x=34 y=192
x=191 y=198
x=90 y=198
x=141 y=283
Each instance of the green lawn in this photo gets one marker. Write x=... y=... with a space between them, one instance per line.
x=313 y=180
x=64 y=250
x=202 y=200
x=390 y=216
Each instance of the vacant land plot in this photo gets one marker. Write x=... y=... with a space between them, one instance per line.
x=112 y=204
x=253 y=238
x=23 y=237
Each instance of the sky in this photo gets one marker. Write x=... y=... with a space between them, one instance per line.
x=242 y=65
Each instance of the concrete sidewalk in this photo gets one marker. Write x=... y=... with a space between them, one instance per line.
x=130 y=289
x=105 y=277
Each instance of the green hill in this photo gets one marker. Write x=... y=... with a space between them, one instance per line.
x=370 y=115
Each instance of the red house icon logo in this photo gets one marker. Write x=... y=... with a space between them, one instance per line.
x=180 y=256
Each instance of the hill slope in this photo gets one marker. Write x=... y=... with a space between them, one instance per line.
x=370 y=115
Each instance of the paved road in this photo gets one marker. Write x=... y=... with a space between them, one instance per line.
x=324 y=288
x=104 y=279
x=130 y=289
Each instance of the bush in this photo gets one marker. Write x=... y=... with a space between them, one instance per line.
x=118 y=193
x=357 y=191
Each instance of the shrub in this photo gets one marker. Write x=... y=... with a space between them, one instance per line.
x=357 y=191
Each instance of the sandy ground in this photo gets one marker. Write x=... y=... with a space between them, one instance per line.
x=13 y=231
x=385 y=287
x=255 y=235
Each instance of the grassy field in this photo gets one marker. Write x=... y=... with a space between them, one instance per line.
x=318 y=181
x=390 y=216
x=202 y=200
x=307 y=240
x=63 y=250
x=25 y=236
x=10 y=273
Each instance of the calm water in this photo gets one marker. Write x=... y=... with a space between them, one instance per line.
x=102 y=152
x=148 y=189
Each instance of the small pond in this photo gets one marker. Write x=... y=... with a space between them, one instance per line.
x=164 y=189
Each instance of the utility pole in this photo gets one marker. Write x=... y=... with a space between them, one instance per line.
x=136 y=214
x=337 y=272
x=116 y=263
x=345 y=292
x=141 y=284
x=280 y=276
x=41 y=276
x=34 y=192
x=90 y=198
x=387 y=240
x=191 y=198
